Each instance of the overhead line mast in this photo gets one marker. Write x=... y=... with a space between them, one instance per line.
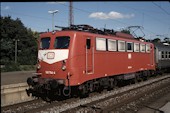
x=71 y=18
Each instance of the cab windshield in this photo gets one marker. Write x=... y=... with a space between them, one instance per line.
x=45 y=43
x=62 y=42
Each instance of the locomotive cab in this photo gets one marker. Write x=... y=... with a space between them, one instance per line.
x=52 y=75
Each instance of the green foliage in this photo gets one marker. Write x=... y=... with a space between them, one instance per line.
x=27 y=67
x=12 y=30
x=167 y=40
x=11 y=66
x=156 y=40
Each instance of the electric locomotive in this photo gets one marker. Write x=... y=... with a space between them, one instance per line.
x=81 y=59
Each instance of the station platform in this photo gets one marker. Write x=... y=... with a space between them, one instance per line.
x=15 y=77
x=166 y=108
x=161 y=104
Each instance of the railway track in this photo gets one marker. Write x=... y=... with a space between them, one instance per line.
x=22 y=107
x=106 y=101
x=129 y=101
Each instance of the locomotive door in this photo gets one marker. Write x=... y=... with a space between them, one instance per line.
x=152 y=58
x=89 y=57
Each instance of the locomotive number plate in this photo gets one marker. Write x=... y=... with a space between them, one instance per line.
x=50 y=72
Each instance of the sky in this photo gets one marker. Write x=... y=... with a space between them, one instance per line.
x=152 y=17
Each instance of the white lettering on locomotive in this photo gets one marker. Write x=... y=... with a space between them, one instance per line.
x=50 y=72
x=129 y=67
x=129 y=56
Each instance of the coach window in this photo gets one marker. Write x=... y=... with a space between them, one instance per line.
x=142 y=47
x=148 y=48
x=112 y=46
x=162 y=54
x=121 y=45
x=45 y=43
x=101 y=44
x=166 y=54
x=136 y=47
x=129 y=46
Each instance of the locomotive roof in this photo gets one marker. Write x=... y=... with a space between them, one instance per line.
x=105 y=32
x=90 y=29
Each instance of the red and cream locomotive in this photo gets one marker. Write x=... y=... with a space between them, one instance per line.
x=81 y=59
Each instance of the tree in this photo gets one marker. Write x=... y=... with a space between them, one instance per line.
x=156 y=40
x=27 y=46
x=167 y=40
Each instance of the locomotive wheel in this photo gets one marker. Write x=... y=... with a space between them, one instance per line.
x=132 y=81
x=84 y=91
x=115 y=83
x=101 y=87
x=135 y=80
x=111 y=84
x=145 y=75
x=46 y=98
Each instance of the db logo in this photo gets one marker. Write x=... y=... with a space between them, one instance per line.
x=50 y=55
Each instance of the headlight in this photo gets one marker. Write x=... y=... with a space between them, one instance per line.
x=63 y=67
x=38 y=66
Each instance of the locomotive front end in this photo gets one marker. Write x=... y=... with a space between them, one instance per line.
x=51 y=76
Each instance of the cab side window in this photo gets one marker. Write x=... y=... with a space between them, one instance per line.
x=88 y=43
